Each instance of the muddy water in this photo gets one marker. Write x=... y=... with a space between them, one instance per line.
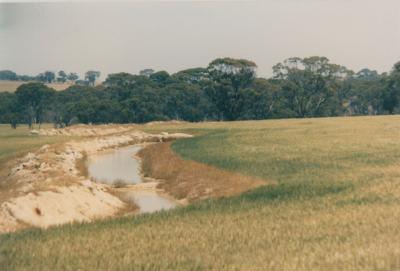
x=121 y=166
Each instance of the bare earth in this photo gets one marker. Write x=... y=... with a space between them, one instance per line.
x=47 y=187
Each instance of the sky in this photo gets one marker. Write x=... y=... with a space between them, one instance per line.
x=129 y=36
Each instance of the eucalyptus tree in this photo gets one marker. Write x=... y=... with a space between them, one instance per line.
x=363 y=93
x=91 y=77
x=261 y=100
x=62 y=77
x=193 y=76
x=8 y=75
x=309 y=85
x=391 y=93
x=146 y=72
x=72 y=76
x=161 y=78
x=33 y=99
x=46 y=77
x=229 y=80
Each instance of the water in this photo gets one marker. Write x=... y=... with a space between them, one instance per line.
x=149 y=201
x=121 y=165
x=116 y=165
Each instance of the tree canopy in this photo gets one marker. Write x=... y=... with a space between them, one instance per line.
x=227 y=89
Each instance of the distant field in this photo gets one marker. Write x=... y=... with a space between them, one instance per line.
x=11 y=86
x=336 y=206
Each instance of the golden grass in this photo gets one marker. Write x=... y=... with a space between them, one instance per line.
x=336 y=206
x=186 y=179
x=11 y=86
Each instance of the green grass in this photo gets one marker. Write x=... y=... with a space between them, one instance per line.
x=336 y=206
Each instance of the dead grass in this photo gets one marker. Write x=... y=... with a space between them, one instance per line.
x=186 y=179
x=11 y=86
x=119 y=183
x=81 y=165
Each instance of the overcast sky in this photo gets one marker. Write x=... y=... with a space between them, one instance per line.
x=167 y=35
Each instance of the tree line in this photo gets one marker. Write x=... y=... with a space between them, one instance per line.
x=52 y=77
x=227 y=89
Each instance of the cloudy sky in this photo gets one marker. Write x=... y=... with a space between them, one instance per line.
x=173 y=35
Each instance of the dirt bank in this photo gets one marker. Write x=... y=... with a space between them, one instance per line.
x=47 y=187
x=190 y=180
x=88 y=130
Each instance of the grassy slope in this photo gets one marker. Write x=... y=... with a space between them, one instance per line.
x=336 y=206
x=14 y=142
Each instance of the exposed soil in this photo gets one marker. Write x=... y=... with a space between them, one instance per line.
x=189 y=180
x=49 y=187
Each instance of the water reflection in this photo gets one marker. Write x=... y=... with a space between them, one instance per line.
x=116 y=165
x=121 y=166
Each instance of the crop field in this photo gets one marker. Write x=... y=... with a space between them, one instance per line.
x=331 y=201
x=11 y=86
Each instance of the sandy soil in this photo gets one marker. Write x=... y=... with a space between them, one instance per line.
x=86 y=130
x=47 y=187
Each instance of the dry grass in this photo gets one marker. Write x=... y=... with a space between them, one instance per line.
x=12 y=86
x=15 y=143
x=119 y=183
x=189 y=179
x=336 y=206
x=81 y=165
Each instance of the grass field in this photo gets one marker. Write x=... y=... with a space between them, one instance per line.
x=14 y=142
x=11 y=86
x=336 y=206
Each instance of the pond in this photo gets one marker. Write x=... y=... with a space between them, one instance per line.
x=121 y=166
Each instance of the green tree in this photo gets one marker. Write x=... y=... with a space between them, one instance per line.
x=391 y=93
x=229 y=79
x=261 y=100
x=308 y=85
x=46 y=77
x=8 y=75
x=9 y=112
x=362 y=93
x=34 y=99
x=146 y=72
x=91 y=77
x=72 y=77
x=122 y=79
x=49 y=76
x=161 y=78
x=62 y=77
x=184 y=101
x=193 y=76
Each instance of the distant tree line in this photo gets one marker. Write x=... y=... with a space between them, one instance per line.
x=228 y=89
x=52 y=77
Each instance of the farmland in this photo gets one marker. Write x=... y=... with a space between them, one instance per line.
x=11 y=86
x=330 y=201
